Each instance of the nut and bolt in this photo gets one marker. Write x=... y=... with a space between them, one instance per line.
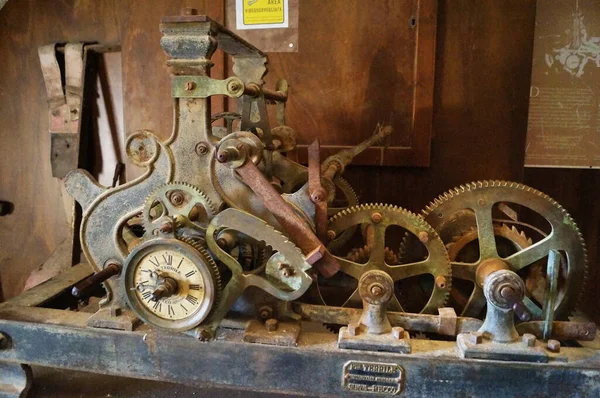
x=331 y=234
x=176 y=198
x=189 y=86
x=398 y=332
x=376 y=290
x=353 y=329
x=271 y=324
x=376 y=217
x=203 y=335
x=233 y=87
x=440 y=282
x=265 y=312
x=201 y=149
x=553 y=346
x=318 y=195
x=474 y=337
x=423 y=237
x=528 y=340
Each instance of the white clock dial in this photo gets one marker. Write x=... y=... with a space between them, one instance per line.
x=161 y=264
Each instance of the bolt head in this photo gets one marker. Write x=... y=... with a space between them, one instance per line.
x=201 y=149
x=265 y=312
x=398 y=332
x=481 y=202
x=376 y=290
x=189 y=86
x=423 y=236
x=331 y=234
x=553 y=346
x=177 y=198
x=475 y=337
x=529 y=340
x=441 y=282
x=271 y=324
x=376 y=217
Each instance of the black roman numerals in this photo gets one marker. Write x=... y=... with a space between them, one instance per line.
x=190 y=273
x=194 y=286
x=146 y=295
x=193 y=300
x=181 y=262
x=171 y=311
x=168 y=259
x=158 y=306
x=155 y=262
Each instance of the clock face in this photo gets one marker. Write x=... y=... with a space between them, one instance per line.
x=152 y=271
x=170 y=283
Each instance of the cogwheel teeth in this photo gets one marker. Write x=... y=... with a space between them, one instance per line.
x=578 y=273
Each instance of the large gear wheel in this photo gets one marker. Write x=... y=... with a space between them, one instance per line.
x=483 y=200
x=378 y=218
x=180 y=203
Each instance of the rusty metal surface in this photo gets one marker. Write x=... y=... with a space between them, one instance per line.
x=180 y=358
x=318 y=194
x=273 y=332
x=561 y=330
x=304 y=237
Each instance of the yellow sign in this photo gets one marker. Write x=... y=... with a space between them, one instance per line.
x=266 y=13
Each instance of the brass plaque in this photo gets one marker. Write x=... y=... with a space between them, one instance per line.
x=373 y=377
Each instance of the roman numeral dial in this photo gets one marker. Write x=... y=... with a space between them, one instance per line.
x=154 y=277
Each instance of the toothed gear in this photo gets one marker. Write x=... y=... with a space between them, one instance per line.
x=480 y=197
x=437 y=264
x=210 y=264
x=351 y=199
x=182 y=204
x=362 y=254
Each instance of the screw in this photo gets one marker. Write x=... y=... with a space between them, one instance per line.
x=353 y=329
x=376 y=218
x=203 y=335
x=553 y=346
x=271 y=324
x=189 y=11
x=166 y=227
x=398 y=332
x=318 y=195
x=528 y=340
x=233 y=87
x=265 y=312
x=189 y=86
x=423 y=236
x=331 y=234
x=176 y=198
x=474 y=337
x=376 y=290
x=201 y=149
x=440 y=282
x=481 y=202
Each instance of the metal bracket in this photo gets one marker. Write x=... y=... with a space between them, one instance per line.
x=201 y=86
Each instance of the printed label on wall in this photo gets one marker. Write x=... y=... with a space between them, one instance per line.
x=564 y=106
x=261 y=14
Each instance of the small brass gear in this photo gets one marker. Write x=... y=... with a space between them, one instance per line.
x=479 y=198
x=182 y=204
x=378 y=217
x=361 y=255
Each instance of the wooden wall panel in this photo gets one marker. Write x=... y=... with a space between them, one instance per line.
x=38 y=224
